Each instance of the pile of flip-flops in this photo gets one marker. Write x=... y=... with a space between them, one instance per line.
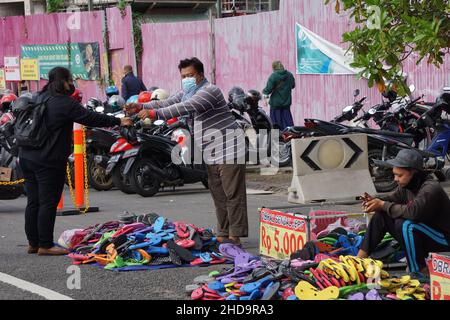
x=341 y=242
x=144 y=242
x=259 y=278
x=406 y=288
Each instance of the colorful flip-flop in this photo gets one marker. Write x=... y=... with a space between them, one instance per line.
x=250 y=287
x=305 y=291
x=159 y=224
x=271 y=291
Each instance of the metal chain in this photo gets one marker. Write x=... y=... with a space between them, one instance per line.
x=69 y=180
x=12 y=183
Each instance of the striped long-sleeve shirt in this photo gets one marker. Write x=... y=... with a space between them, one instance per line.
x=215 y=127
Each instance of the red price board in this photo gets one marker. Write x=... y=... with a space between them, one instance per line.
x=439 y=266
x=281 y=234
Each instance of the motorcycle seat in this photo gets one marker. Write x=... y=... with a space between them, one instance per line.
x=299 y=130
x=397 y=135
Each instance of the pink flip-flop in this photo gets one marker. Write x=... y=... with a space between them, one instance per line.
x=185 y=243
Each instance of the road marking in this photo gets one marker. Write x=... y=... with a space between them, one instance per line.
x=33 y=288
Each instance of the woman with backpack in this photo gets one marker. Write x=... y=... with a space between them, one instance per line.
x=44 y=167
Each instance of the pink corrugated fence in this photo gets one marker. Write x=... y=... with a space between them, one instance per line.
x=246 y=47
x=164 y=45
x=121 y=43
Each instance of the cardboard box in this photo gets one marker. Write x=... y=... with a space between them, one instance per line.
x=439 y=266
x=5 y=174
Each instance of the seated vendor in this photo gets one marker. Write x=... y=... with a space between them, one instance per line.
x=416 y=214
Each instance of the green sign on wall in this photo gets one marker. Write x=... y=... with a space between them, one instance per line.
x=82 y=59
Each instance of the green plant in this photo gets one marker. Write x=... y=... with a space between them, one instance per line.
x=138 y=20
x=388 y=32
x=122 y=5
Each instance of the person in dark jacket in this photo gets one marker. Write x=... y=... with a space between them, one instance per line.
x=279 y=87
x=44 y=169
x=416 y=214
x=131 y=85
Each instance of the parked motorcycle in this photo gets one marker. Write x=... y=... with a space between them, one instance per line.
x=145 y=164
x=9 y=157
x=98 y=146
x=257 y=126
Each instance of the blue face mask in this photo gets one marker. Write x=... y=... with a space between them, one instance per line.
x=189 y=84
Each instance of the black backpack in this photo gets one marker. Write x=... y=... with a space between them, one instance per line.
x=30 y=128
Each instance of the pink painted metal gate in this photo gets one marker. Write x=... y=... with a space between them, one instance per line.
x=57 y=29
x=247 y=45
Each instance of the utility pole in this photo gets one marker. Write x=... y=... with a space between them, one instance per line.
x=219 y=9
x=212 y=45
x=90 y=5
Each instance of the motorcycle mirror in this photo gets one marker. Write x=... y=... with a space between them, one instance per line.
x=356 y=93
x=99 y=109
x=412 y=88
x=372 y=111
x=158 y=123
x=347 y=109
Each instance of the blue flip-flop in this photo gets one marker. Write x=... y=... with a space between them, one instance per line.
x=216 y=285
x=157 y=250
x=250 y=287
x=256 y=295
x=159 y=224
x=271 y=291
x=139 y=245
x=154 y=239
x=206 y=257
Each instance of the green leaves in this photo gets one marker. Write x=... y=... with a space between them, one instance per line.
x=387 y=32
x=54 y=5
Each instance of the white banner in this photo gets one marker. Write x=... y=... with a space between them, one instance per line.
x=316 y=55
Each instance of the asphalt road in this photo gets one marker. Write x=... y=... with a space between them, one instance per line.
x=191 y=204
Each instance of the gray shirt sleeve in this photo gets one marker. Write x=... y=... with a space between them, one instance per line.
x=202 y=101
x=164 y=103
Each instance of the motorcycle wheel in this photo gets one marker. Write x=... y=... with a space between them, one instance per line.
x=123 y=183
x=97 y=177
x=285 y=154
x=383 y=178
x=205 y=183
x=11 y=193
x=142 y=178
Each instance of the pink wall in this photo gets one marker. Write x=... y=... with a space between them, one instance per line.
x=166 y=44
x=121 y=42
x=246 y=47
x=53 y=28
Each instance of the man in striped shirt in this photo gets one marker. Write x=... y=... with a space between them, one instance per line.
x=221 y=140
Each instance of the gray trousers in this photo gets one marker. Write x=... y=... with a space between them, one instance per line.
x=229 y=192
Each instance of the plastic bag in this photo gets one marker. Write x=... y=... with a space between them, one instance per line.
x=65 y=239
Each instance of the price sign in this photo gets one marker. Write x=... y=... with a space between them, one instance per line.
x=12 y=68
x=439 y=266
x=281 y=234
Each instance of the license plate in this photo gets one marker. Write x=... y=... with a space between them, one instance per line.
x=110 y=167
x=130 y=153
x=114 y=159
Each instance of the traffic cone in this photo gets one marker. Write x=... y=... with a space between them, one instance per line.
x=79 y=177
